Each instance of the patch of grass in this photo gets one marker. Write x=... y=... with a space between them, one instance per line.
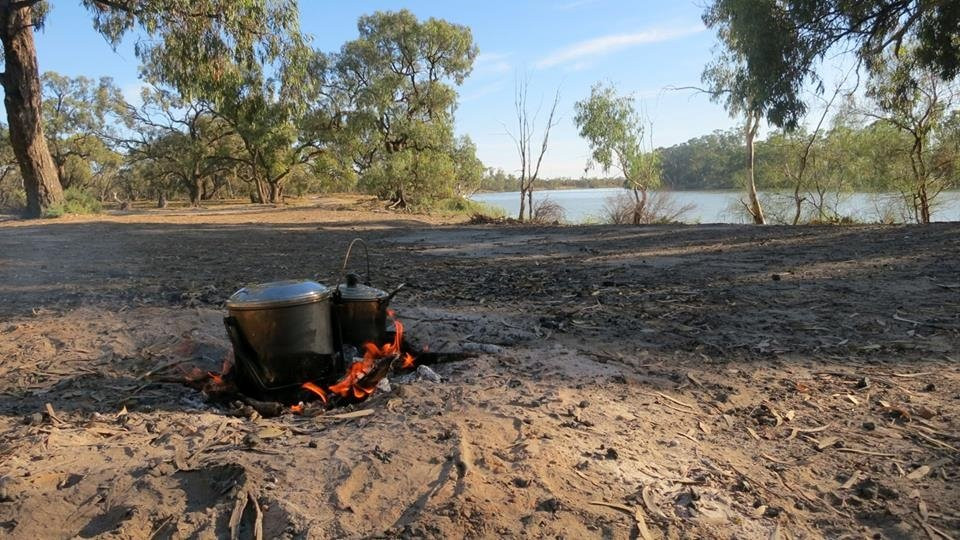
x=75 y=201
x=462 y=206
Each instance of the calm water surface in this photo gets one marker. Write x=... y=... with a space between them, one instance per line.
x=586 y=205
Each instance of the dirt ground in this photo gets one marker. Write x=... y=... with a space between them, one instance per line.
x=708 y=381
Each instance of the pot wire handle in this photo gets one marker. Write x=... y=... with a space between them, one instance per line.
x=346 y=259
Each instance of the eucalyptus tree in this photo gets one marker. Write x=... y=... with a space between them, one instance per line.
x=772 y=49
x=781 y=43
x=732 y=79
x=396 y=86
x=615 y=132
x=11 y=185
x=176 y=139
x=916 y=101
x=190 y=42
x=77 y=116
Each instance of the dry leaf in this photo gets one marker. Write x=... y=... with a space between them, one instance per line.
x=651 y=504
x=642 y=524
x=919 y=472
x=704 y=427
x=852 y=480
x=753 y=434
x=270 y=433
x=346 y=416
x=827 y=442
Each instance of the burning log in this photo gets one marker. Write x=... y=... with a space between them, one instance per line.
x=363 y=375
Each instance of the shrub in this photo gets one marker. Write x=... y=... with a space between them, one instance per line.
x=548 y=211
x=660 y=208
x=75 y=201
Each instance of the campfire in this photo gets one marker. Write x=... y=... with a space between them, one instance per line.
x=364 y=374
x=305 y=347
x=359 y=381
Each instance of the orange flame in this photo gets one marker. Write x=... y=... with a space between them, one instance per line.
x=296 y=409
x=351 y=383
x=316 y=390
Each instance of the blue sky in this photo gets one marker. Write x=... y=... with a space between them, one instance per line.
x=640 y=46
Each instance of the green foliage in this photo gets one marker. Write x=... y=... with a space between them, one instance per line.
x=76 y=122
x=461 y=206
x=200 y=47
x=908 y=96
x=12 y=194
x=772 y=48
x=614 y=131
x=75 y=201
x=402 y=73
x=707 y=162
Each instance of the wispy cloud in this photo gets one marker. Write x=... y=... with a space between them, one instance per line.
x=575 y=4
x=482 y=91
x=492 y=63
x=578 y=52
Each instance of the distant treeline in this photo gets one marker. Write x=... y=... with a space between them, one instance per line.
x=497 y=180
x=846 y=157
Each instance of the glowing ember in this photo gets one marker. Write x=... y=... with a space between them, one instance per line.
x=296 y=409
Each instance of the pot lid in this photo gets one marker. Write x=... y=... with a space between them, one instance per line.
x=278 y=294
x=354 y=291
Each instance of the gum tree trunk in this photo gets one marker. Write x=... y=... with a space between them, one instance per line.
x=21 y=85
x=753 y=123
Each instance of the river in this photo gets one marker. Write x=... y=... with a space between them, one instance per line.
x=587 y=205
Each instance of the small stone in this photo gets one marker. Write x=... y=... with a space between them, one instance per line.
x=584 y=404
x=521 y=482
x=424 y=372
x=869 y=426
x=772 y=511
x=776 y=277
x=867 y=490
x=312 y=444
x=34 y=419
x=612 y=454
x=863 y=382
x=251 y=440
x=930 y=387
x=551 y=505
x=8 y=489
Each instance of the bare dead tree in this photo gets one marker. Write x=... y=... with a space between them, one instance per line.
x=523 y=139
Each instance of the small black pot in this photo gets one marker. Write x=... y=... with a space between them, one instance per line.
x=360 y=313
x=359 y=310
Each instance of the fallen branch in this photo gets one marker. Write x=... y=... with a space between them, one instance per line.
x=866 y=452
x=637 y=514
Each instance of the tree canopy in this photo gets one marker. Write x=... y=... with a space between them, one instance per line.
x=780 y=43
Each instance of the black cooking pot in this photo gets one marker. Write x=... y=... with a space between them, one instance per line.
x=360 y=310
x=282 y=333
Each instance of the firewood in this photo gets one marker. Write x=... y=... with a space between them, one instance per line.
x=266 y=409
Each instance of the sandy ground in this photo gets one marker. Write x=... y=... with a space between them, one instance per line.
x=707 y=381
